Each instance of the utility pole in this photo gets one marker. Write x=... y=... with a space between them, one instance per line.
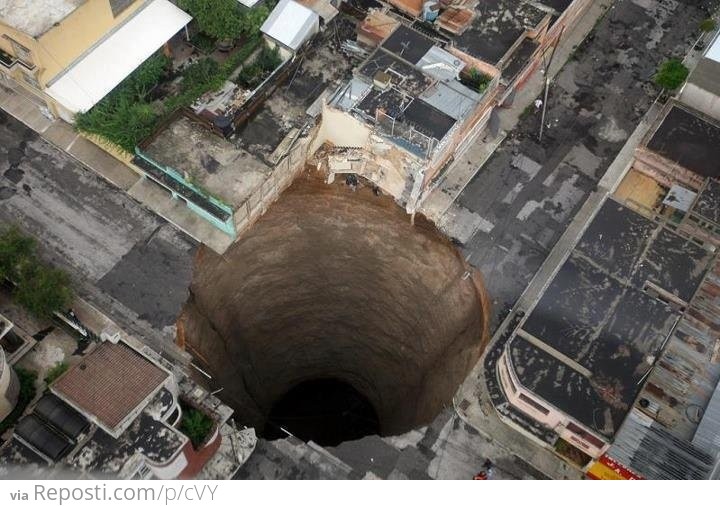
x=547 y=81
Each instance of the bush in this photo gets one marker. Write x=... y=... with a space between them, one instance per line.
x=196 y=425
x=269 y=59
x=55 y=372
x=26 y=395
x=125 y=117
x=202 y=74
x=671 y=74
x=477 y=80
x=249 y=75
x=708 y=25
x=204 y=42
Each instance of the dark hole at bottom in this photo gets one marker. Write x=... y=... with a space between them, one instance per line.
x=326 y=411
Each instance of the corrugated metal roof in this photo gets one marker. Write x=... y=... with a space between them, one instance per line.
x=680 y=198
x=350 y=94
x=708 y=432
x=95 y=74
x=291 y=24
x=452 y=98
x=440 y=64
x=651 y=451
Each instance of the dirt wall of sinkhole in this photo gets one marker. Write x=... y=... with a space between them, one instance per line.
x=335 y=283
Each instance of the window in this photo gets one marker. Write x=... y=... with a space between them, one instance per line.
x=117 y=6
x=542 y=409
x=585 y=435
x=21 y=52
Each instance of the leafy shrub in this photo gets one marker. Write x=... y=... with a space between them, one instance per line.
x=196 y=425
x=477 y=81
x=55 y=372
x=269 y=59
x=249 y=75
x=672 y=74
x=708 y=25
x=203 y=74
x=125 y=117
x=205 y=43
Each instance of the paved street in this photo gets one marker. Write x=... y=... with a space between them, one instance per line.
x=528 y=191
x=122 y=257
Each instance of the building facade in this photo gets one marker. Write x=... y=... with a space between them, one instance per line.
x=68 y=54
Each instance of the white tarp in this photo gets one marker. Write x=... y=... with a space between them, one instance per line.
x=95 y=74
x=291 y=24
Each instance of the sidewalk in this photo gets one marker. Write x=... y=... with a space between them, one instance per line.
x=64 y=137
x=439 y=206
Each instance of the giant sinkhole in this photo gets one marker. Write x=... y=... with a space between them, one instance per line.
x=333 y=317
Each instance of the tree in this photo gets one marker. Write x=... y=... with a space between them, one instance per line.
x=43 y=290
x=672 y=74
x=16 y=250
x=220 y=19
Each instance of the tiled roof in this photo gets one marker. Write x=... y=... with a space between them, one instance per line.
x=110 y=383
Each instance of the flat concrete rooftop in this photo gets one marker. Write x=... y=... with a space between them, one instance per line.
x=707 y=204
x=497 y=26
x=603 y=329
x=211 y=162
x=35 y=18
x=686 y=138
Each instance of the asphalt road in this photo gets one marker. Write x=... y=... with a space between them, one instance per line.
x=121 y=256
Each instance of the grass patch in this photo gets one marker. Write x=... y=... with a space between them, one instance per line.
x=196 y=425
x=27 y=394
x=55 y=372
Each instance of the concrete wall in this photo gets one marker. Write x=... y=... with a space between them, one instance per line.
x=701 y=99
x=554 y=418
x=9 y=387
x=53 y=51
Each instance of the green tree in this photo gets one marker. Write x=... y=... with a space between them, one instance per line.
x=16 y=250
x=43 y=290
x=672 y=74
x=220 y=19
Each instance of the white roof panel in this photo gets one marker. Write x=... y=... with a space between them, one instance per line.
x=440 y=64
x=714 y=51
x=249 y=3
x=96 y=73
x=291 y=24
x=680 y=198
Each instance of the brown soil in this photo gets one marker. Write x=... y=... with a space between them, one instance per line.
x=331 y=283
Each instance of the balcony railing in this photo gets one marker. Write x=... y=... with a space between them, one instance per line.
x=9 y=61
